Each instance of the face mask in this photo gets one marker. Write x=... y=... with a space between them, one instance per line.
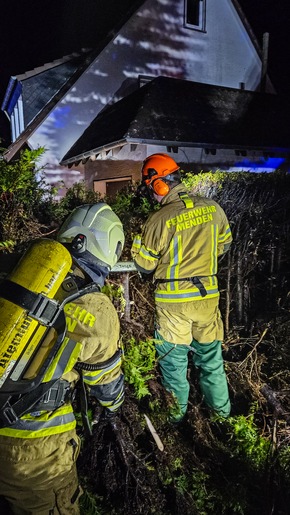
x=96 y=272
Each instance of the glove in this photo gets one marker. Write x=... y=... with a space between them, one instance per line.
x=112 y=417
x=106 y=416
x=145 y=277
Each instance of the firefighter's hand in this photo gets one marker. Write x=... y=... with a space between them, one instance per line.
x=106 y=416
x=112 y=417
x=145 y=277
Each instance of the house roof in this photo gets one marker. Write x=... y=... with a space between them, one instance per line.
x=54 y=79
x=40 y=85
x=106 y=27
x=176 y=112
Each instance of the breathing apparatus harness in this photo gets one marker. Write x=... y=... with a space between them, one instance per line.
x=29 y=396
x=26 y=395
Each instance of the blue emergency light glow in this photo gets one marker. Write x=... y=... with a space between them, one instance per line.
x=264 y=165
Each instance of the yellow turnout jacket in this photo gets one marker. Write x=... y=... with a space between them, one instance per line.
x=181 y=243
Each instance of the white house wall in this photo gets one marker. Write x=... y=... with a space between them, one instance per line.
x=126 y=162
x=153 y=42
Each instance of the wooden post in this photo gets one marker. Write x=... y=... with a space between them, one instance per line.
x=125 y=283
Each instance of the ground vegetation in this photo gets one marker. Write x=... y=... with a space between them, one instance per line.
x=140 y=464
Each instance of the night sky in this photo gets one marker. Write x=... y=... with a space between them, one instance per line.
x=272 y=17
x=49 y=29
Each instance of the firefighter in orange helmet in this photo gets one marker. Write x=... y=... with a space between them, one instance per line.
x=180 y=244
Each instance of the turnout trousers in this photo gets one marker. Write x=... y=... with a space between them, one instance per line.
x=192 y=329
x=38 y=475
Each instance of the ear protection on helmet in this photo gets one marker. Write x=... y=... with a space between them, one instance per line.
x=79 y=243
x=160 y=187
x=155 y=169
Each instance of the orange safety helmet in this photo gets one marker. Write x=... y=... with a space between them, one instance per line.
x=156 y=167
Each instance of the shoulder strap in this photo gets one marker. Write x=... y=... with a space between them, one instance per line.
x=37 y=305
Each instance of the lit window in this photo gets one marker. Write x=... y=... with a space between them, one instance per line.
x=195 y=14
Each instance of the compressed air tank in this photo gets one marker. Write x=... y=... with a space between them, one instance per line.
x=41 y=270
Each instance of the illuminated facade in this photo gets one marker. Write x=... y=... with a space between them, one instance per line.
x=204 y=41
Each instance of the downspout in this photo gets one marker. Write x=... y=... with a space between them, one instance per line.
x=265 y=51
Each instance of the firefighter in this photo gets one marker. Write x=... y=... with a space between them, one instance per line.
x=179 y=245
x=38 y=453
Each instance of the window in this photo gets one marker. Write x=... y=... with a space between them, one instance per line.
x=110 y=187
x=113 y=187
x=195 y=14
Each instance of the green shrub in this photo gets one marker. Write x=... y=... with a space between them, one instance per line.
x=247 y=442
x=139 y=363
x=23 y=193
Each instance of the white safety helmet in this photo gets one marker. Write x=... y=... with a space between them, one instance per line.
x=94 y=234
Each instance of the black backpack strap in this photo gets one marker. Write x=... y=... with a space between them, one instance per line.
x=60 y=393
x=197 y=282
x=38 y=306
x=83 y=399
x=11 y=412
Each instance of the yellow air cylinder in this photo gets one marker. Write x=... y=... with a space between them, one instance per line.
x=41 y=269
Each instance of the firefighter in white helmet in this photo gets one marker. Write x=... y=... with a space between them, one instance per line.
x=39 y=451
x=180 y=244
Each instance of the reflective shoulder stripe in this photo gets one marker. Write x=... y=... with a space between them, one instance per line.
x=188 y=202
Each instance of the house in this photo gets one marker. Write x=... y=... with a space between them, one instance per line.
x=68 y=106
x=241 y=129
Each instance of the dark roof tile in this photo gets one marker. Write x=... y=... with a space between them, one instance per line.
x=184 y=113
x=39 y=89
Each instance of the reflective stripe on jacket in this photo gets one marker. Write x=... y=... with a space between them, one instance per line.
x=92 y=337
x=93 y=377
x=37 y=425
x=183 y=240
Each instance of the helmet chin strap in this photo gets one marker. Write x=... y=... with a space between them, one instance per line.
x=96 y=272
x=158 y=198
